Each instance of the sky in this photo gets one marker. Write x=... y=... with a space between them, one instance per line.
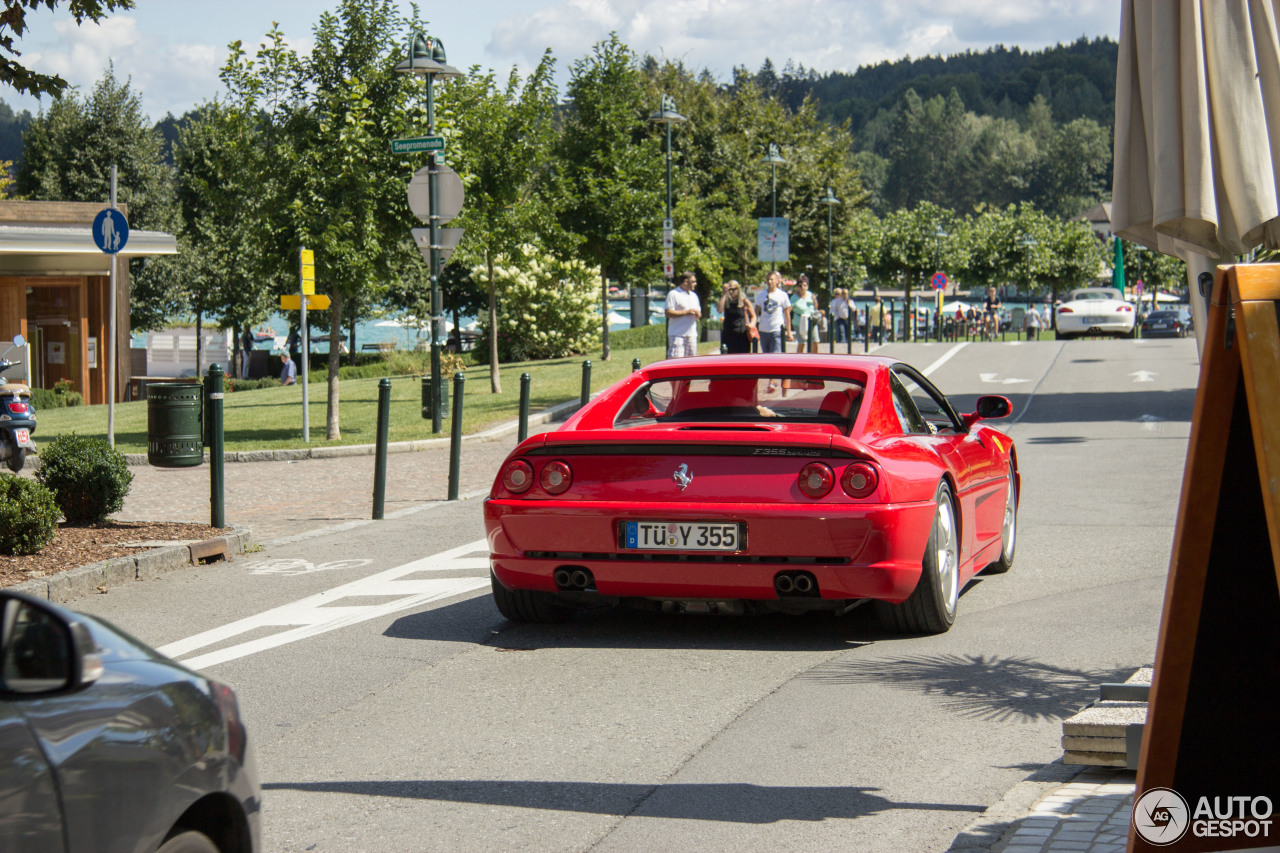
x=171 y=50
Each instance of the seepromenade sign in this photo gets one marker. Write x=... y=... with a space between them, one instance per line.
x=415 y=144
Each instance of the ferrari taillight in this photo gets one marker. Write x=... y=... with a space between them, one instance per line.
x=517 y=476
x=556 y=477
x=816 y=479
x=859 y=479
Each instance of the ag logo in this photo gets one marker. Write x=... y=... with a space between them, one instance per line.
x=1161 y=816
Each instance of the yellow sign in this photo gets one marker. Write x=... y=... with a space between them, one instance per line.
x=308 y=272
x=293 y=302
x=308 y=258
x=309 y=286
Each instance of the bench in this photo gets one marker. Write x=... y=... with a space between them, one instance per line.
x=383 y=347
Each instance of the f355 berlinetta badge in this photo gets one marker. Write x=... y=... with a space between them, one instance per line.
x=682 y=477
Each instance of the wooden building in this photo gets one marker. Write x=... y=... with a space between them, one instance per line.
x=55 y=292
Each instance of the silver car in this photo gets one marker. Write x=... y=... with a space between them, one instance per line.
x=107 y=745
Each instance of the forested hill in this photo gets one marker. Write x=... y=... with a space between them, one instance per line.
x=1078 y=80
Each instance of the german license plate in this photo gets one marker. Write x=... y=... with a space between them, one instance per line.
x=22 y=435
x=1157 y=325
x=682 y=535
x=1095 y=321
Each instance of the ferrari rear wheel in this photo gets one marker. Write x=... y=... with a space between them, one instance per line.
x=1009 y=529
x=931 y=609
x=525 y=605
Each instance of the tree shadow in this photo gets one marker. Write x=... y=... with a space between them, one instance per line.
x=728 y=802
x=982 y=687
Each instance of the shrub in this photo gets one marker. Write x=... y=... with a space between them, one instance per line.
x=28 y=516
x=47 y=398
x=89 y=478
x=550 y=307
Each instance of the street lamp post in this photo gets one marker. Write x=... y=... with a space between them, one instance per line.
x=831 y=201
x=774 y=158
x=668 y=116
x=939 y=234
x=427 y=60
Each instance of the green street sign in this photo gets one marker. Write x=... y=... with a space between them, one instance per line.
x=417 y=143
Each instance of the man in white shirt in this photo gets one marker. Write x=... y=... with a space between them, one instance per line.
x=773 y=307
x=840 y=309
x=683 y=311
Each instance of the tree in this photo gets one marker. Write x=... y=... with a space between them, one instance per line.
x=504 y=139
x=68 y=157
x=611 y=168
x=13 y=25
x=916 y=244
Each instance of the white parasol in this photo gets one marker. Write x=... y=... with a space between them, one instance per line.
x=1197 y=137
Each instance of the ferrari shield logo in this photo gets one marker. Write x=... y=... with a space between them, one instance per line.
x=682 y=477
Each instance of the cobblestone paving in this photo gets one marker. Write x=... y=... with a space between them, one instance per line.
x=279 y=499
x=1090 y=814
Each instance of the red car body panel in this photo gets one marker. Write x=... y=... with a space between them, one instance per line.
x=749 y=473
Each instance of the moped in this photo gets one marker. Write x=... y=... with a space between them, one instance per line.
x=17 y=415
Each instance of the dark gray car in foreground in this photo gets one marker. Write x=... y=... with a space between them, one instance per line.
x=107 y=745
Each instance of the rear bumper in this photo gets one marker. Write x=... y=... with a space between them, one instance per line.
x=1111 y=327
x=853 y=551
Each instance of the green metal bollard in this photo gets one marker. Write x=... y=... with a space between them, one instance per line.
x=380 y=450
x=586 y=381
x=635 y=365
x=213 y=411
x=524 y=408
x=455 y=436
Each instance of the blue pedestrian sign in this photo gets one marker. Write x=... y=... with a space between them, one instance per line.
x=110 y=230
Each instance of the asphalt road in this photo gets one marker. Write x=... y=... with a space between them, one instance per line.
x=394 y=709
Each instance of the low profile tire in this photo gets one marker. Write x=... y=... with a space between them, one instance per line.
x=931 y=609
x=523 y=605
x=17 y=460
x=188 y=842
x=1008 y=530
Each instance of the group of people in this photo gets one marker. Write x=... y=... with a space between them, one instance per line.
x=288 y=369
x=770 y=321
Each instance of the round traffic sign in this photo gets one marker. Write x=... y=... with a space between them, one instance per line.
x=939 y=281
x=110 y=230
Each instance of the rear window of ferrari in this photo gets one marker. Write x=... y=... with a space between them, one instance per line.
x=739 y=399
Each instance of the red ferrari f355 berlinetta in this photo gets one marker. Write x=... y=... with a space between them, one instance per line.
x=761 y=482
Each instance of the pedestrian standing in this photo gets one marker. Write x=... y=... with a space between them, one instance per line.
x=1032 y=323
x=875 y=319
x=246 y=351
x=683 y=311
x=773 y=308
x=739 y=319
x=840 y=314
x=293 y=343
x=805 y=316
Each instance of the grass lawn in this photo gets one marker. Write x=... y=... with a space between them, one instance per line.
x=271 y=418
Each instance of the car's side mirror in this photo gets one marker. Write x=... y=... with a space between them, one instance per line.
x=43 y=648
x=989 y=407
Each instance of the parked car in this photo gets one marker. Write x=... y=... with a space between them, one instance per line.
x=1176 y=323
x=758 y=483
x=109 y=745
x=1095 y=310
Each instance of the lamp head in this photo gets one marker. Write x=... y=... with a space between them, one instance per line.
x=668 y=114
x=774 y=157
x=830 y=197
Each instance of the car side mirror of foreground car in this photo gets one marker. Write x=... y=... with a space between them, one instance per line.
x=43 y=648
x=989 y=407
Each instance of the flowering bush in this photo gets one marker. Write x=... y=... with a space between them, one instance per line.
x=546 y=308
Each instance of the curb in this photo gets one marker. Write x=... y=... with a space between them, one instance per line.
x=146 y=565
x=992 y=830
x=298 y=454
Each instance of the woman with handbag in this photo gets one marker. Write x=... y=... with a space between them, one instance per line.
x=739 y=319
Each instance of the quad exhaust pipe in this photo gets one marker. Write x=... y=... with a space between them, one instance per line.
x=790 y=584
x=574 y=578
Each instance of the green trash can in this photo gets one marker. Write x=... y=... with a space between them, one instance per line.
x=426 y=398
x=174 y=410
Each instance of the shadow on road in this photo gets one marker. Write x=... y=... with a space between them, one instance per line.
x=980 y=686
x=736 y=803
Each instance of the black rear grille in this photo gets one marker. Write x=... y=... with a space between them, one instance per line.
x=664 y=557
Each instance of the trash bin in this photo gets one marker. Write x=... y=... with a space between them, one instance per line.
x=174 y=437
x=426 y=398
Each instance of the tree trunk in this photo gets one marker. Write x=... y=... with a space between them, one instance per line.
x=331 y=431
x=604 y=306
x=351 y=341
x=495 y=376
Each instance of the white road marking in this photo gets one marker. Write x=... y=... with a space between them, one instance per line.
x=944 y=358
x=289 y=566
x=991 y=377
x=316 y=615
x=1143 y=376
